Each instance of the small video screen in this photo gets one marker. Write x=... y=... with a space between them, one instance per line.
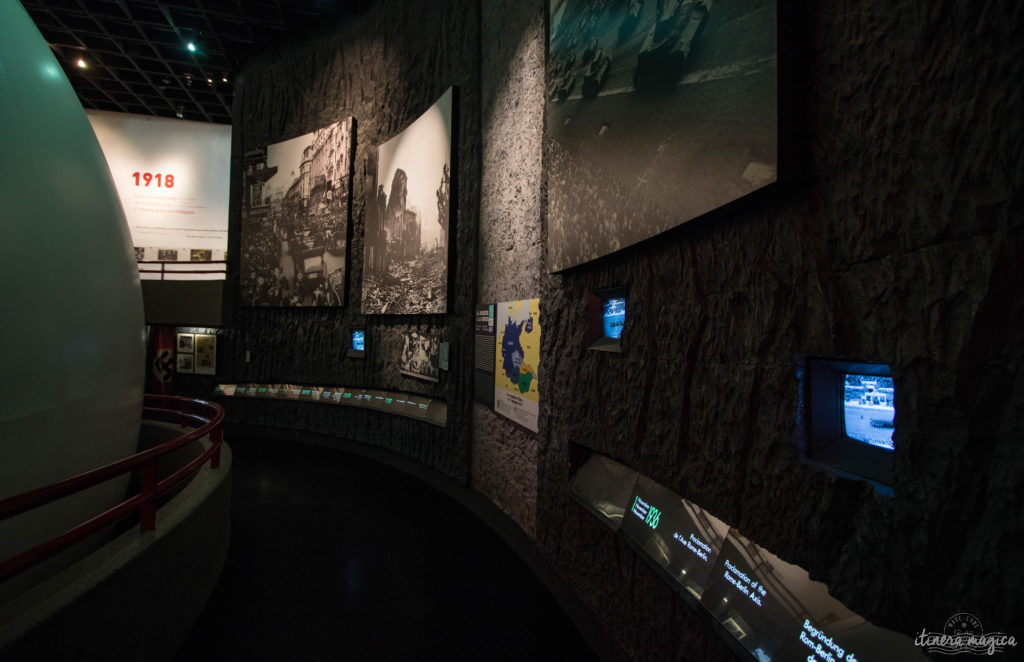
x=358 y=340
x=868 y=410
x=614 y=317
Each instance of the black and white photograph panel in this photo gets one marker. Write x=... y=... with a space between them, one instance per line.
x=658 y=112
x=420 y=353
x=295 y=209
x=405 y=265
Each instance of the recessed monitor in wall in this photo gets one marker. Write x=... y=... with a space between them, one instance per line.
x=356 y=343
x=847 y=418
x=613 y=316
x=606 y=319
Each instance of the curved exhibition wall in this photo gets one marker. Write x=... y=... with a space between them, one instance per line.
x=897 y=243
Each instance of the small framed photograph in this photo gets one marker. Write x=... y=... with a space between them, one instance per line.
x=186 y=342
x=420 y=355
x=186 y=364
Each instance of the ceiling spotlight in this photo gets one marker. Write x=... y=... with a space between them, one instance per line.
x=81 y=63
x=191 y=47
x=210 y=81
x=180 y=114
x=223 y=79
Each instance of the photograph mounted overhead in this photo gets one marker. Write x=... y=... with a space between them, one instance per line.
x=658 y=112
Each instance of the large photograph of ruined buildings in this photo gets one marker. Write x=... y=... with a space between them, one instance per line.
x=295 y=210
x=405 y=254
x=658 y=111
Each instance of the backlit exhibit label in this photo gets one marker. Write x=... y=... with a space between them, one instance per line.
x=777 y=612
x=517 y=362
x=172 y=178
x=420 y=407
x=681 y=537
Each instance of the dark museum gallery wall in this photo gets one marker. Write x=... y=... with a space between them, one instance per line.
x=899 y=243
x=385 y=68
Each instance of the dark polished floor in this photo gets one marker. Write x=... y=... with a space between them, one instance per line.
x=336 y=557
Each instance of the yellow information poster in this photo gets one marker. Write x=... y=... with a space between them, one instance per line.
x=517 y=361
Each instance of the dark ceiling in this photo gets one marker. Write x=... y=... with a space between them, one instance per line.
x=136 y=53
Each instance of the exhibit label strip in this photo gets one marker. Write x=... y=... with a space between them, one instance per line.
x=410 y=405
x=772 y=609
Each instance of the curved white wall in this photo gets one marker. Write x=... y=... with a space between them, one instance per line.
x=71 y=328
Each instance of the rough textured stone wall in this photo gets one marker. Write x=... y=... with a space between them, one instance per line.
x=511 y=206
x=899 y=243
x=384 y=67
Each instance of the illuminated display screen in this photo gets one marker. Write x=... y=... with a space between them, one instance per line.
x=358 y=340
x=613 y=316
x=774 y=610
x=868 y=409
x=680 y=537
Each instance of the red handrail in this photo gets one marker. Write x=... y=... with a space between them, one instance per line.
x=145 y=501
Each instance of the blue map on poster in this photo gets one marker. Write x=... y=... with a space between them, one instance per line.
x=512 y=351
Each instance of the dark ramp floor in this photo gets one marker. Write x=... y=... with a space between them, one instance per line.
x=336 y=557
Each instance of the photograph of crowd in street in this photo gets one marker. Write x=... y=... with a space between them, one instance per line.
x=295 y=211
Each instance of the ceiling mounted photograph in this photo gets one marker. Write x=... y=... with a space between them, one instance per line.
x=658 y=112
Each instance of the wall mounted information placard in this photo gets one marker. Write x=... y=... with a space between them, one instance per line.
x=172 y=178
x=483 y=363
x=517 y=362
x=206 y=354
x=411 y=405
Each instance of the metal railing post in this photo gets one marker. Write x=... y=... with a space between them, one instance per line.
x=216 y=437
x=147 y=514
x=208 y=425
